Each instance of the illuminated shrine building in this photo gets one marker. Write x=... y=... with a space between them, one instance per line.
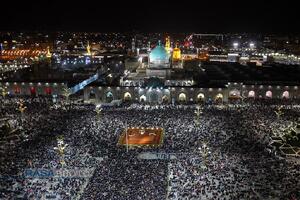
x=176 y=53
x=159 y=62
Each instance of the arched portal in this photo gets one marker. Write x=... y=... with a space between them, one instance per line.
x=286 y=95
x=143 y=98
x=109 y=97
x=92 y=95
x=48 y=91
x=127 y=96
x=17 y=90
x=165 y=99
x=269 y=94
x=219 y=97
x=234 y=94
x=200 y=97
x=32 y=91
x=251 y=94
x=182 y=97
x=153 y=97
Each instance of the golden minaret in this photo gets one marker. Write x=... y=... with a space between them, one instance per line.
x=168 y=45
x=48 y=54
x=88 y=49
x=176 y=53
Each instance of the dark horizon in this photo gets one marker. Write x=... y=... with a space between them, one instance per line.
x=207 y=17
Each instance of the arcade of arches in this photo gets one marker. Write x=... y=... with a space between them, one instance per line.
x=161 y=96
x=158 y=93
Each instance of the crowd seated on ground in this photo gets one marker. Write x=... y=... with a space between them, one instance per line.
x=239 y=164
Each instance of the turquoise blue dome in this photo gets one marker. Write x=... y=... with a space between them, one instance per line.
x=159 y=54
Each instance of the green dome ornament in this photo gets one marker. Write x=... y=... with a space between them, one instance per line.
x=159 y=54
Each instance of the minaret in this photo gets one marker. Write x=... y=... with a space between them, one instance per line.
x=48 y=54
x=168 y=45
x=149 y=46
x=133 y=45
x=88 y=49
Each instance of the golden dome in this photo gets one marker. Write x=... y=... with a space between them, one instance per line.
x=176 y=54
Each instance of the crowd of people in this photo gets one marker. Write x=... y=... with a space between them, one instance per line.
x=239 y=162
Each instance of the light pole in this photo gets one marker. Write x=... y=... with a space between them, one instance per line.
x=4 y=92
x=198 y=113
x=66 y=93
x=60 y=148
x=205 y=151
x=279 y=112
x=21 y=108
x=98 y=110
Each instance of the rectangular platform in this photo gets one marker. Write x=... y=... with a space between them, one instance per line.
x=139 y=136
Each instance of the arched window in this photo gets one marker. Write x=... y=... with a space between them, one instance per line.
x=286 y=94
x=269 y=94
x=48 y=91
x=182 y=97
x=165 y=99
x=127 y=96
x=109 y=97
x=251 y=94
x=32 y=91
x=143 y=98
x=17 y=90
x=219 y=96
x=200 y=97
x=234 y=94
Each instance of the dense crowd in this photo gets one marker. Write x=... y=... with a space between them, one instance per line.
x=240 y=164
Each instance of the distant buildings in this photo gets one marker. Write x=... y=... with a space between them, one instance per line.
x=138 y=67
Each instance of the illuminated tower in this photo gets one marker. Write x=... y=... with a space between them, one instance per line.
x=176 y=53
x=149 y=46
x=48 y=54
x=88 y=50
x=133 y=45
x=88 y=54
x=168 y=45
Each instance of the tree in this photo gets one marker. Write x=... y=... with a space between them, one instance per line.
x=66 y=93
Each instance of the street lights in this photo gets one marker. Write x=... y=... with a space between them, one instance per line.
x=66 y=93
x=98 y=111
x=60 y=148
x=205 y=151
x=198 y=113
x=4 y=92
x=279 y=112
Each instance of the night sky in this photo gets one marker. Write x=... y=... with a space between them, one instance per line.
x=151 y=16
